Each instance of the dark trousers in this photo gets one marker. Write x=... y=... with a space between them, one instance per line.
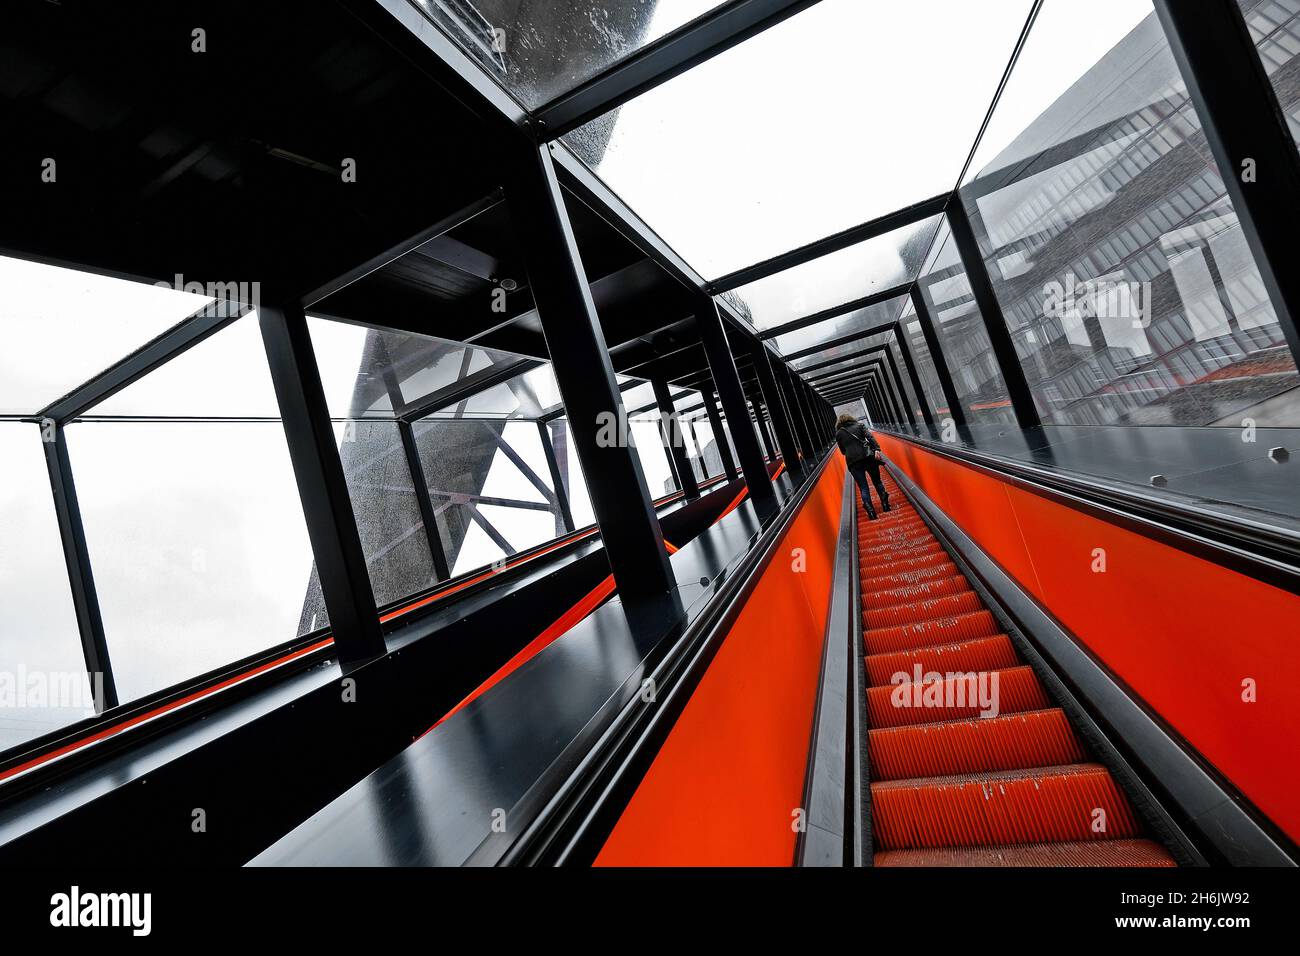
x=859 y=471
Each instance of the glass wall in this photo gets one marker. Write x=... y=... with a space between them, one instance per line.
x=962 y=335
x=1275 y=27
x=43 y=684
x=1115 y=253
x=925 y=368
x=192 y=516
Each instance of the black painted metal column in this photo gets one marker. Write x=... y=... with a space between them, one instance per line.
x=670 y=429
x=557 y=479
x=597 y=419
x=776 y=410
x=1248 y=137
x=719 y=433
x=761 y=420
x=85 y=600
x=722 y=366
x=805 y=407
x=887 y=389
x=902 y=390
x=905 y=347
x=331 y=523
x=941 y=370
x=406 y=431
x=1004 y=349
x=797 y=425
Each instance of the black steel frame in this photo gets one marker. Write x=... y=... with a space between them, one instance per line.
x=1230 y=92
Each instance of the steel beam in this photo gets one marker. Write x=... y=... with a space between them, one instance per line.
x=731 y=393
x=322 y=487
x=955 y=410
x=777 y=414
x=834 y=243
x=697 y=41
x=837 y=311
x=406 y=431
x=995 y=324
x=620 y=498
x=72 y=533
x=719 y=434
x=670 y=430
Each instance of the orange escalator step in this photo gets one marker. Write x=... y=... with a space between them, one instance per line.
x=903 y=578
x=919 y=591
x=1072 y=803
x=1012 y=690
x=946 y=630
x=1113 y=853
x=912 y=612
x=893 y=565
x=981 y=654
x=1038 y=738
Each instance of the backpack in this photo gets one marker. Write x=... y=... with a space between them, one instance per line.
x=868 y=448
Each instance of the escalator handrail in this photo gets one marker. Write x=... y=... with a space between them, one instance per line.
x=583 y=807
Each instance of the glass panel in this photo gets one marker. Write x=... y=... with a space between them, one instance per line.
x=925 y=368
x=62 y=327
x=383 y=499
x=195 y=527
x=539 y=51
x=853 y=273
x=575 y=483
x=43 y=683
x=198 y=383
x=873 y=316
x=368 y=372
x=962 y=335
x=908 y=395
x=807 y=144
x=490 y=486
x=198 y=544
x=533 y=394
x=1275 y=27
x=643 y=428
x=1114 y=250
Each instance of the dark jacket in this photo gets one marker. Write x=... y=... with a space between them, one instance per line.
x=857 y=444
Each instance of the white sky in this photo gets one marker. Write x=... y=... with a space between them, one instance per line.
x=846 y=111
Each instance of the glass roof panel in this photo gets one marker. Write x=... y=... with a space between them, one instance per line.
x=539 y=51
x=851 y=273
x=224 y=376
x=840 y=114
x=61 y=327
x=840 y=351
x=529 y=395
x=860 y=320
x=368 y=373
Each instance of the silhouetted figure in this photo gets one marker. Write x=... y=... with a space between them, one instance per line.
x=862 y=453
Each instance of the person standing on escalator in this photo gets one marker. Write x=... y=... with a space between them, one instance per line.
x=862 y=453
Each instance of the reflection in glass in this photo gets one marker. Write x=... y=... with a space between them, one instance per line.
x=490 y=487
x=1114 y=251
x=873 y=316
x=962 y=335
x=833 y=280
x=539 y=51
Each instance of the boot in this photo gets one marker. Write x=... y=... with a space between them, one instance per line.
x=884 y=502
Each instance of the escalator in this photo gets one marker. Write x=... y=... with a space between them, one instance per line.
x=970 y=762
